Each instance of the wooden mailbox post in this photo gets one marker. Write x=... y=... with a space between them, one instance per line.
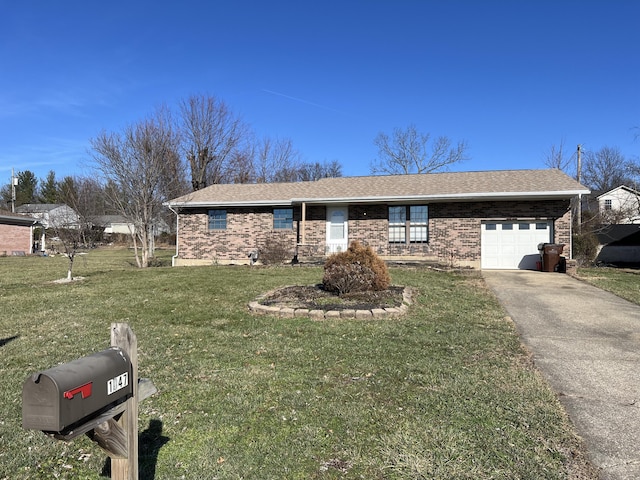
x=119 y=438
x=114 y=430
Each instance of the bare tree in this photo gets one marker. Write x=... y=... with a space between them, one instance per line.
x=136 y=165
x=210 y=134
x=87 y=197
x=309 y=171
x=269 y=161
x=607 y=169
x=409 y=151
x=84 y=195
x=276 y=161
x=241 y=165
x=558 y=157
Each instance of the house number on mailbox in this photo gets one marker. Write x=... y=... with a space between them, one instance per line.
x=117 y=383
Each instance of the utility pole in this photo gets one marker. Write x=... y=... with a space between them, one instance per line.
x=14 y=183
x=579 y=177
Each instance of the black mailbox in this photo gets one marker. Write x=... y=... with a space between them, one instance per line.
x=63 y=397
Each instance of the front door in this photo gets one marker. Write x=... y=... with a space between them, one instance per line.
x=337 y=229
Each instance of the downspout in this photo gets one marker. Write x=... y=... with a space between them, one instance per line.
x=175 y=257
x=571 y=238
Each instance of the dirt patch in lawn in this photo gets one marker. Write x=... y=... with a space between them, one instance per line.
x=314 y=297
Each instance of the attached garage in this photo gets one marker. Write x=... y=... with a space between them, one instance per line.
x=512 y=245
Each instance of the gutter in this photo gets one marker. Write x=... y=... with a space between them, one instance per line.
x=19 y=220
x=449 y=197
x=247 y=203
x=174 y=258
x=392 y=199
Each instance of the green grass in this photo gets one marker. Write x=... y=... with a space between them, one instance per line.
x=445 y=392
x=621 y=282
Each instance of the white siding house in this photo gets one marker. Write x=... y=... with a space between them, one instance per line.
x=620 y=206
x=51 y=215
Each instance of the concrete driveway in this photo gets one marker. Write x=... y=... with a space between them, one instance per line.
x=586 y=342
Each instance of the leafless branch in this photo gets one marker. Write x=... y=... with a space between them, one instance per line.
x=408 y=151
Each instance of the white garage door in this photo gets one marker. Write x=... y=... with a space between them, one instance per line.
x=513 y=245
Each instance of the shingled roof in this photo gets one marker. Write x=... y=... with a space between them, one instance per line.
x=9 y=218
x=432 y=187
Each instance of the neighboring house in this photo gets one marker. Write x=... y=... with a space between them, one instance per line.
x=620 y=205
x=492 y=219
x=16 y=233
x=51 y=215
x=618 y=230
x=619 y=244
x=118 y=224
x=114 y=224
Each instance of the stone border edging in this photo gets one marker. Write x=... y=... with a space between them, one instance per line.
x=287 y=312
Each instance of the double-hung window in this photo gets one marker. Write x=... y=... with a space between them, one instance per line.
x=282 y=218
x=397 y=224
x=418 y=224
x=409 y=224
x=217 y=219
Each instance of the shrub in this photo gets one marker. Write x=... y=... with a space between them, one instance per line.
x=275 y=250
x=347 y=278
x=356 y=269
x=585 y=247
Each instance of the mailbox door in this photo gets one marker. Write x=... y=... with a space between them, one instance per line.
x=40 y=405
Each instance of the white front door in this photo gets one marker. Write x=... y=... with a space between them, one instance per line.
x=337 y=229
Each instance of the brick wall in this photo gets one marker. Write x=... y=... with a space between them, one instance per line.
x=15 y=238
x=454 y=230
x=247 y=230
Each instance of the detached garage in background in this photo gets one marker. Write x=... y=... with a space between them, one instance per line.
x=16 y=234
x=491 y=220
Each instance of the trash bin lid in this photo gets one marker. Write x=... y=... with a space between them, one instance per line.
x=553 y=247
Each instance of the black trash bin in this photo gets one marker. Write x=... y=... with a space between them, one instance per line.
x=550 y=253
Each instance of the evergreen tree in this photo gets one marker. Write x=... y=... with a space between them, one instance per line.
x=27 y=188
x=49 y=192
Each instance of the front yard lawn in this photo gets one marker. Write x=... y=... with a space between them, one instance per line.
x=624 y=283
x=446 y=391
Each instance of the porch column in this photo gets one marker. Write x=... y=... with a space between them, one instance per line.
x=302 y=223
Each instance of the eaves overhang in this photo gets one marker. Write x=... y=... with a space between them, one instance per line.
x=621 y=187
x=246 y=203
x=452 y=197
x=15 y=220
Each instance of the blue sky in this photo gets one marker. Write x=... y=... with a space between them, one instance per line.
x=511 y=78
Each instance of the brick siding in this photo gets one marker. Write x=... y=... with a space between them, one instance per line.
x=454 y=230
x=14 y=238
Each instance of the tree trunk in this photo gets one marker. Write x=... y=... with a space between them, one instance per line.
x=135 y=249
x=70 y=270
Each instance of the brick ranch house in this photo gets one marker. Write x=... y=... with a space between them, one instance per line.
x=16 y=233
x=490 y=219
